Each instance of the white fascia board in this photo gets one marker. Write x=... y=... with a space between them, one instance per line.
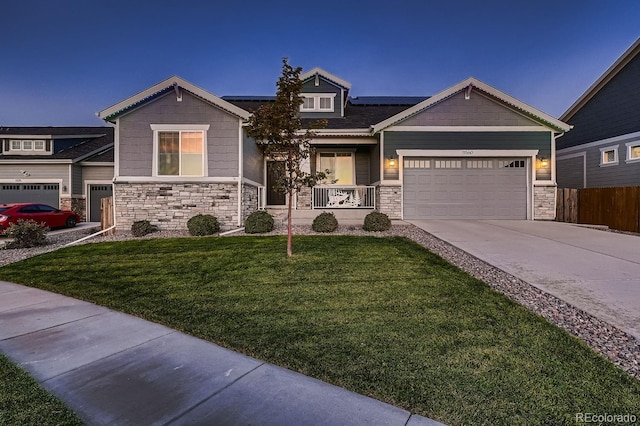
x=327 y=75
x=96 y=164
x=173 y=81
x=344 y=141
x=39 y=161
x=463 y=85
x=51 y=137
x=608 y=141
x=467 y=152
x=607 y=76
x=467 y=129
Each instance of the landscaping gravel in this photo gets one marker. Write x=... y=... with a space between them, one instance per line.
x=614 y=344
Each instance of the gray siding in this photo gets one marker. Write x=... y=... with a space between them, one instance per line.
x=252 y=166
x=12 y=173
x=570 y=172
x=324 y=87
x=478 y=110
x=104 y=173
x=621 y=174
x=362 y=166
x=136 y=136
x=374 y=165
x=77 y=180
x=613 y=111
x=463 y=140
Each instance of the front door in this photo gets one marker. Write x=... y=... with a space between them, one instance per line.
x=274 y=170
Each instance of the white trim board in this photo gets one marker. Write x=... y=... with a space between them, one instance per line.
x=467 y=152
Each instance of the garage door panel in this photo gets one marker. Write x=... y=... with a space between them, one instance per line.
x=43 y=193
x=476 y=189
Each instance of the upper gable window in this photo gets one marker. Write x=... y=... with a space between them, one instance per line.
x=317 y=102
x=180 y=150
x=633 y=151
x=609 y=156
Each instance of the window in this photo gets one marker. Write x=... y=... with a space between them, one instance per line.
x=317 y=102
x=511 y=164
x=633 y=151
x=448 y=164
x=609 y=156
x=27 y=145
x=180 y=150
x=340 y=166
x=417 y=164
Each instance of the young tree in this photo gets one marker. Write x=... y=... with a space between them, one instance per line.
x=277 y=128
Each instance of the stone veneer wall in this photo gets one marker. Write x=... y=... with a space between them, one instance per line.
x=389 y=201
x=170 y=205
x=544 y=202
x=304 y=199
x=249 y=200
x=78 y=205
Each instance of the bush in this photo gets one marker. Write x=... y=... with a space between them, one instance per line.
x=258 y=222
x=376 y=221
x=203 y=224
x=26 y=233
x=141 y=228
x=325 y=222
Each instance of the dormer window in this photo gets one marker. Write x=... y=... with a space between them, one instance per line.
x=27 y=145
x=317 y=102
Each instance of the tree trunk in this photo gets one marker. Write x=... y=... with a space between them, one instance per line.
x=289 y=227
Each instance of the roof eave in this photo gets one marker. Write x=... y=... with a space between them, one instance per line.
x=327 y=75
x=536 y=114
x=607 y=76
x=112 y=112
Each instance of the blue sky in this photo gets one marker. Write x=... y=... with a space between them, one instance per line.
x=65 y=60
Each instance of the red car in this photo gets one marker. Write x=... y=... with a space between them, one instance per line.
x=52 y=217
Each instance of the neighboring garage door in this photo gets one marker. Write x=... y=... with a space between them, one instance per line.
x=96 y=193
x=43 y=193
x=465 y=188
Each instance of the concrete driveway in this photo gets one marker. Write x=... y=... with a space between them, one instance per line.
x=594 y=270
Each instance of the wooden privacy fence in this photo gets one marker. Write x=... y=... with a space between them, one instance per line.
x=618 y=207
x=106 y=214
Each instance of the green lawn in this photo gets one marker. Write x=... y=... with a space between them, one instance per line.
x=24 y=402
x=380 y=316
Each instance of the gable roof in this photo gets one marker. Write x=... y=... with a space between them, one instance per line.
x=172 y=83
x=326 y=75
x=467 y=84
x=78 y=143
x=608 y=75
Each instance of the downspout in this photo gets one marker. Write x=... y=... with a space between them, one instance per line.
x=241 y=171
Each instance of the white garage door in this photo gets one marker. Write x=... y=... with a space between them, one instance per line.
x=465 y=188
x=43 y=193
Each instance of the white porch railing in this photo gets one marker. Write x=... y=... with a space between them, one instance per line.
x=343 y=197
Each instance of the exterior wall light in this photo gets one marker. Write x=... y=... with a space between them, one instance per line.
x=392 y=161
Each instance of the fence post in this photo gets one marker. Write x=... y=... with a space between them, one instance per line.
x=106 y=214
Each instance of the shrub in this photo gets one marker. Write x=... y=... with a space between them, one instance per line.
x=325 y=222
x=141 y=228
x=376 y=221
x=26 y=233
x=203 y=224
x=258 y=222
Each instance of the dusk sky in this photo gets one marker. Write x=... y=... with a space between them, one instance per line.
x=63 y=61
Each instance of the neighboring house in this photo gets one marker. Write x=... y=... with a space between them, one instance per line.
x=469 y=152
x=603 y=149
x=66 y=167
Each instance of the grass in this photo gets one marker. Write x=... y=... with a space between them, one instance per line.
x=379 y=316
x=24 y=402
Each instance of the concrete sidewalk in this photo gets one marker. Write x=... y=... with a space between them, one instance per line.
x=113 y=368
x=594 y=270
